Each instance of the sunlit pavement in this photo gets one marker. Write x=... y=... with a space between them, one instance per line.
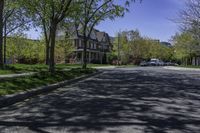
x=182 y=68
x=121 y=100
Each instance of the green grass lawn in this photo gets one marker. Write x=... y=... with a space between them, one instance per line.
x=27 y=68
x=5 y=72
x=43 y=67
x=22 y=68
x=43 y=78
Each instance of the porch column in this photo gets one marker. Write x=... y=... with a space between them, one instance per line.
x=106 y=58
x=194 y=61
x=89 y=57
x=82 y=57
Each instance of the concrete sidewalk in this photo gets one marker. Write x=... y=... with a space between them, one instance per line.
x=181 y=68
x=17 y=75
x=105 y=67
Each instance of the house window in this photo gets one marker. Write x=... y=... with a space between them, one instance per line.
x=81 y=43
x=94 y=55
x=90 y=45
x=79 y=55
x=76 y=42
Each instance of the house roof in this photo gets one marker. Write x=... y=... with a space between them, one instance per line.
x=95 y=35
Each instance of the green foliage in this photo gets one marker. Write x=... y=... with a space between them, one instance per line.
x=5 y=72
x=48 y=14
x=132 y=48
x=20 y=48
x=64 y=49
x=189 y=18
x=15 y=18
x=185 y=45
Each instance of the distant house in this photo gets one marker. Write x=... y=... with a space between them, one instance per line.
x=98 y=47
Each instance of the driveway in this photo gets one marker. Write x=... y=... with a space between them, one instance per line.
x=121 y=100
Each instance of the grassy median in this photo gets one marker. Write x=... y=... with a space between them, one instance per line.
x=14 y=85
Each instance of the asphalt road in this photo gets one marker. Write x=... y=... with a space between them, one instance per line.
x=122 y=100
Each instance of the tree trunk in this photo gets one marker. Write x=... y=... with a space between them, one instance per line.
x=85 y=40
x=52 y=47
x=5 y=42
x=1 y=32
x=46 y=41
x=47 y=53
x=66 y=56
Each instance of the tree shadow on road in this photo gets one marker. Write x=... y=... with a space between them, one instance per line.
x=113 y=102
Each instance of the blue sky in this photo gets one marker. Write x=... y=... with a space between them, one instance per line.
x=151 y=17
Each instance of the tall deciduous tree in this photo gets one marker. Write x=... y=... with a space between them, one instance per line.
x=40 y=14
x=91 y=13
x=185 y=47
x=1 y=32
x=49 y=13
x=189 y=40
x=133 y=48
x=14 y=20
x=190 y=18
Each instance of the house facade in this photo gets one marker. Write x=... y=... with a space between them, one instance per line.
x=98 y=48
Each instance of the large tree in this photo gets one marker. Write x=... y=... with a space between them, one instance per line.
x=131 y=47
x=185 y=47
x=1 y=32
x=91 y=13
x=190 y=18
x=15 y=20
x=49 y=14
x=40 y=14
x=190 y=24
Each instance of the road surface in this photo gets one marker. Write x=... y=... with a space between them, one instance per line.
x=121 y=100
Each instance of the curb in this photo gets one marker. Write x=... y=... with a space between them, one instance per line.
x=14 y=98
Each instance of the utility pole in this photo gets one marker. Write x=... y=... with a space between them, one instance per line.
x=118 y=48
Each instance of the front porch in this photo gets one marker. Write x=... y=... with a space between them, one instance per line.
x=91 y=57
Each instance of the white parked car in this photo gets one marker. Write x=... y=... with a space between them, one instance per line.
x=154 y=62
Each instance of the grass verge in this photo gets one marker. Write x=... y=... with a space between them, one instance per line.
x=43 y=78
x=5 y=72
x=20 y=68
